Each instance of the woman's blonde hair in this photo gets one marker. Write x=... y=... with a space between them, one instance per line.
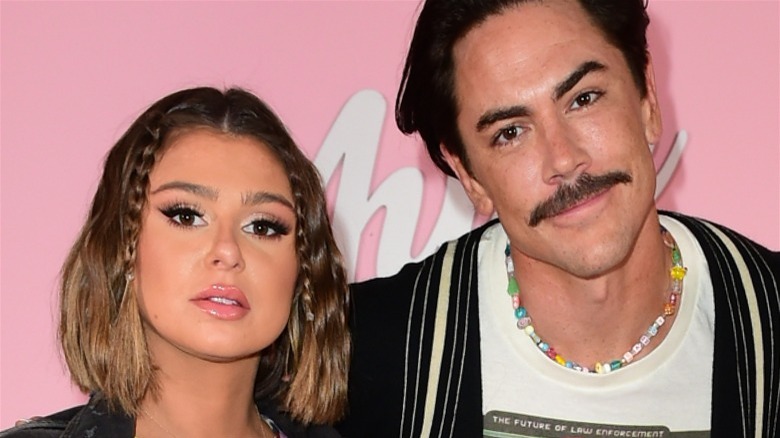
x=101 y=332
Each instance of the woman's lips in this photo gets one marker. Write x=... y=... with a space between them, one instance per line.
x=223 y=302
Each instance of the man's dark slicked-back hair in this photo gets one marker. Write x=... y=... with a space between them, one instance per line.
x=426 y=99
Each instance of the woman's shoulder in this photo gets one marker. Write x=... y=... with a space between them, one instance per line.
x=291 y=428
x=40 y=427
x=93 y=419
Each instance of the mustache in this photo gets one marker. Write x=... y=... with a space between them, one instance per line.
x=569 y=195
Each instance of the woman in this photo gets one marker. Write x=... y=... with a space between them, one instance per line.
x=205 y=295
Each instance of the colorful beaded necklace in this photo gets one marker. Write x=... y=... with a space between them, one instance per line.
x=677 y=274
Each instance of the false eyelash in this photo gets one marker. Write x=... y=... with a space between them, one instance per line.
x=172 y=210
x=279 y=227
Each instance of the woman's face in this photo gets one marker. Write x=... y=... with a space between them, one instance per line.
x=216 y=266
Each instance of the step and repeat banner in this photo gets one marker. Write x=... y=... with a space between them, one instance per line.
x=74 y=75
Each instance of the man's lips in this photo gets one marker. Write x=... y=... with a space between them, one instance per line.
x=581 y=202
x=571 y=196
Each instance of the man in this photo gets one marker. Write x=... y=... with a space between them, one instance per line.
x=630 y=323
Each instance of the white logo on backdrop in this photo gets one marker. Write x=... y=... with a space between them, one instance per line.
x=350 y=150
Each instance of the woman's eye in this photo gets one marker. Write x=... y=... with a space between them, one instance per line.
x=508 y=134
x=184 y=216
x=266 y=228
x=585 y=99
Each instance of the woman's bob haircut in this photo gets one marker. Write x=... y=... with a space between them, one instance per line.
x=305 y=370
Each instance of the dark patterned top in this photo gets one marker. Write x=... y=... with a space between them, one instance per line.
x=95 y=420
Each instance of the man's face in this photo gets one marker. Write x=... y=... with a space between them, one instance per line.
x=556 y=134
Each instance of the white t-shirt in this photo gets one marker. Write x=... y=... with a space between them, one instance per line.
x=526 y=394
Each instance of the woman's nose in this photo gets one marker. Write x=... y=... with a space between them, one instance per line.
x=226 y=251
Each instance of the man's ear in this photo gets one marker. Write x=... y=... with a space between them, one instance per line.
x=651 y=111
x=474 y=190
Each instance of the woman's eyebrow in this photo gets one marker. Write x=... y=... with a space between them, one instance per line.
x=254 y=198
x=195 y=189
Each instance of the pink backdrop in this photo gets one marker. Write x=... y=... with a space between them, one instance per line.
x=74 y=75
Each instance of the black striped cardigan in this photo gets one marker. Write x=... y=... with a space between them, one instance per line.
x=416 y=364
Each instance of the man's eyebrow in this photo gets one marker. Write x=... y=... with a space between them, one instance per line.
x=254 y=198
x=195 y=189
x=496 y=115
x=493 y=116
x=567 y=84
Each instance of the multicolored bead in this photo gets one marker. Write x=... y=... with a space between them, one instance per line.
x=523 y=322
x=653 y=330
x=676 y=257
x=677 y=274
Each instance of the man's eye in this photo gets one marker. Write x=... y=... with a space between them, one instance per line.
x=585 y=99
x=507 y=135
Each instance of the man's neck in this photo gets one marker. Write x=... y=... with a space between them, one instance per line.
x=589 y=320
